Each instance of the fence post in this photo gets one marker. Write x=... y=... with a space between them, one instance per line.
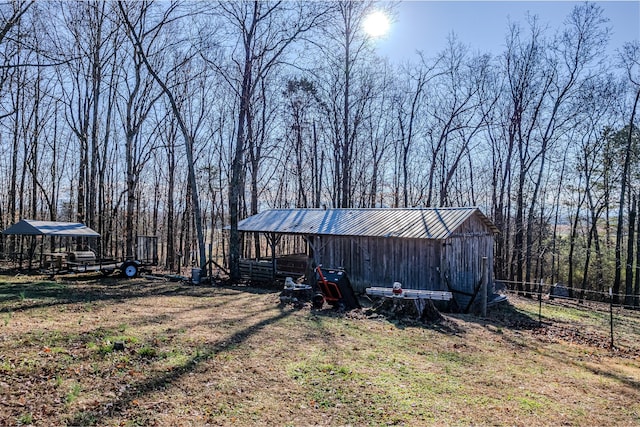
x=540 y=302
x=611 y=314
x=485 y=275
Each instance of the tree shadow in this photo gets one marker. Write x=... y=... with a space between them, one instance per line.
x=506 y=315
x=16 y=295
x=24 y=297
x=162 y=380
x=626 y=380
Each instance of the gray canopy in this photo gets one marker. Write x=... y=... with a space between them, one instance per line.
x=29 y=227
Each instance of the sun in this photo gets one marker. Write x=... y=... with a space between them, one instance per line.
x=376 y=24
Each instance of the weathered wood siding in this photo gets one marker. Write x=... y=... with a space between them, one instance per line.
x=462 y=259
x=382 y=261
x=416 y=263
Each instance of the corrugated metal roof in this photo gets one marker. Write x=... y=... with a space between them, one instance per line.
x=416 y=223
x=29 y=227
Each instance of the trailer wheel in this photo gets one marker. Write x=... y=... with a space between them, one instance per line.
x=106 y=271
x=318 y=301
x=130 y=269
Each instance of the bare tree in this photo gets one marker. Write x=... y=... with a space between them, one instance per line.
x=151 y=36
x=379 y=132
x=594 y=106
x=85 y=48
x=140 y=95
x=540 y=86
x=346 y=52
x=457 y=117
x=408 y=112
x=11 y=12
x=301 y=97
x=264 y=33
x=631 y=60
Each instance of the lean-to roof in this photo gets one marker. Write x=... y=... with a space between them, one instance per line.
x=413 y=223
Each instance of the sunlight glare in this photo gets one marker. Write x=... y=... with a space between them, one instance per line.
x=376 y=24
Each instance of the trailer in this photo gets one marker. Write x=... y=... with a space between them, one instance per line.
x=85 y=260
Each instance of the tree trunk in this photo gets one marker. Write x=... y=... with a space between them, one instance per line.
x=236 y=183
x=621 y=204
x=188 y=140
x=628 y=277
x=171 y=250
x=636 y=292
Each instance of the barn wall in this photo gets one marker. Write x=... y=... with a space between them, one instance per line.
x=416 y=263
x=382 y=261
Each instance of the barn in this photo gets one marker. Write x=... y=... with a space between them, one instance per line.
x=440 y=249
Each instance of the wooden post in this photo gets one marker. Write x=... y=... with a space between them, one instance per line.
x=611 y=314
x=540 y=302
x=485 y=281
x=210 y=259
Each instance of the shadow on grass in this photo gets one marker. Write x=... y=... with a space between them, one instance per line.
x=17 y=295
x=126 y=400
x=625 y=380
x=506 y=315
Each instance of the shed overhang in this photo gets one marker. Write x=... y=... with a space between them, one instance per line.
x=416 y=223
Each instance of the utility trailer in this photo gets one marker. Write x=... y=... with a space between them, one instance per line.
x=146 y=256
x=75 y=234
x=85 y=261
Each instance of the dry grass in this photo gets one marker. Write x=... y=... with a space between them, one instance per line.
x=234 y=356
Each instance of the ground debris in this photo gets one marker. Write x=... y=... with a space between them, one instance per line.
x=404 y=310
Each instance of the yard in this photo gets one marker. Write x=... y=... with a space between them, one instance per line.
x=234 y=356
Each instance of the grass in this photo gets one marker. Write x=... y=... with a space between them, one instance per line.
x=220 y=356
x=74 y=392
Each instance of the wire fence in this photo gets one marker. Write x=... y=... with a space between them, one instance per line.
x=588 y=315
x=558 y=290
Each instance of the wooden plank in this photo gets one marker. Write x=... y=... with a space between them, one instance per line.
x=409 y=293
x=256 y=270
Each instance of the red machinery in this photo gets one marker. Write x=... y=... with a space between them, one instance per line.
x=336 y=289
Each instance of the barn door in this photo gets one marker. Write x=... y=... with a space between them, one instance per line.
x=446 y=270
x=461 y=270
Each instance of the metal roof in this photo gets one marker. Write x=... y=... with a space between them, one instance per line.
x=416 y=223
x=29 y=227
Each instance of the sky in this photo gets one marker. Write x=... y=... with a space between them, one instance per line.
x=482 y=25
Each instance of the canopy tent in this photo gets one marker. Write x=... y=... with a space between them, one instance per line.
x=29 y=227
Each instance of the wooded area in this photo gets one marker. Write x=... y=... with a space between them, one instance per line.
x=179 y=119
